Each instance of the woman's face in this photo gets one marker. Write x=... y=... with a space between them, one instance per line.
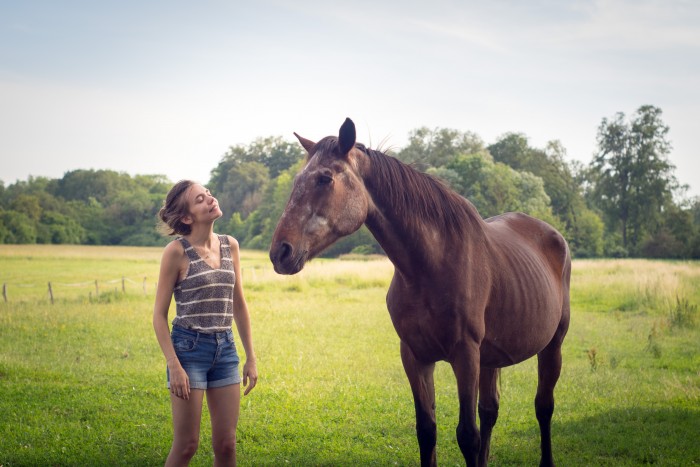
x=202 y=206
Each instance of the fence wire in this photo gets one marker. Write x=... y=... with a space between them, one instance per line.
x=97 y=287
x=48 y=289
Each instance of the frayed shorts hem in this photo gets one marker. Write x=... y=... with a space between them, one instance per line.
x=204 y=385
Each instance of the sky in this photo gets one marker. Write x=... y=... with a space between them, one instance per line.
x=166 y=87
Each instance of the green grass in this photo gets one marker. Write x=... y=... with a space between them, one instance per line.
x=82 y=381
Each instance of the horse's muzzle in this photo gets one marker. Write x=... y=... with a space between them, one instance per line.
x=284 y=259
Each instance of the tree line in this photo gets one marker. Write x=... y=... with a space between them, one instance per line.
x=625 y=202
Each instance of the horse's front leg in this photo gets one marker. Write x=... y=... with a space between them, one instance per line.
x=465 y=364
x=420 y=376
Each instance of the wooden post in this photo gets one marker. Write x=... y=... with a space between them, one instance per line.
x=50 y=293
x=144 y=286
x=123 y=287
x=4 y=291
x=97 y=289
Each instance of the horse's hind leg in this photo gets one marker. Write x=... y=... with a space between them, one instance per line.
x=548 y=368
x=420 y=376
x=488 y=409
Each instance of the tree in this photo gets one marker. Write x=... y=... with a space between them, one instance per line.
x=261 y=224
x=102 y=185
x=17 y=227
x=244 y=173
x=633 y=177
x=57 y=228
x=495 y=188
x=243 y=189
x=27 y=204
x=437 y=148
x=550 y=165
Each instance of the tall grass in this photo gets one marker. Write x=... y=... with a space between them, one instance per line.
x=82 y=381
x=638 y=286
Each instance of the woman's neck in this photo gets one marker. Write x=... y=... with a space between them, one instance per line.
x=201 y=236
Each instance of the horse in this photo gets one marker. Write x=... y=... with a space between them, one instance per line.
x=479 y=294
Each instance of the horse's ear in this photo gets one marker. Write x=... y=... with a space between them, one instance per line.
x=308 y=144
x=346 y=136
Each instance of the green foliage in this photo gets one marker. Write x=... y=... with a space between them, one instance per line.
x=241 y=178
x=633 y=181
x=17 y=227
x=437 y=148
x=620 y=205
x=260 y=226
x=58 y=228
x=495 y=188
x=85 y=206
x=571 y=215
x=587 y=235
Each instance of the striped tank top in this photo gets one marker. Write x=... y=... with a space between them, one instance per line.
x=204 y=298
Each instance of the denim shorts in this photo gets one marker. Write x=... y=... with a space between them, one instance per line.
x=209 y=359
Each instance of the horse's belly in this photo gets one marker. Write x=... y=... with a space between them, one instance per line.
x=520 y=335
x=495 y=355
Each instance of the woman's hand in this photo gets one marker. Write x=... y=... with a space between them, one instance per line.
x=179 y=381
x=250 y=376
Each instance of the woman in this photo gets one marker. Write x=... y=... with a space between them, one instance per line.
x=202 y=269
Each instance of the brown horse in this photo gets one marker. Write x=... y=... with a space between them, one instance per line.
x=478 y=294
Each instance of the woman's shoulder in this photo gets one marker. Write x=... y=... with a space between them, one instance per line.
x=231 y=241
x=174 y=248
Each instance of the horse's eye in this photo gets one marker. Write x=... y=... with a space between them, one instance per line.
x=324 y=179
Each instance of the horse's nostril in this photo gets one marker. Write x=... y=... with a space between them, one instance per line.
x=285 y=251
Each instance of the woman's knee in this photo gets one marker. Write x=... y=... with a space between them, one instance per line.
x=185 y=448
x=225 y=447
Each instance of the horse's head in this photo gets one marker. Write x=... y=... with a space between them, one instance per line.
x=328 y=201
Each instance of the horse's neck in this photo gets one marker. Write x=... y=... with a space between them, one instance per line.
x=414 y=245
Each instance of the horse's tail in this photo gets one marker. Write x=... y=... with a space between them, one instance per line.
x=565 y=288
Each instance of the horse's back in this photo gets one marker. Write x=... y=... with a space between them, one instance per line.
x=520 y=231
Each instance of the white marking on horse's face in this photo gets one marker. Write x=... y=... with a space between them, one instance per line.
x=316 y=223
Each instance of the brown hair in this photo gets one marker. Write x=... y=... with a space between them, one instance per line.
x=174 y=209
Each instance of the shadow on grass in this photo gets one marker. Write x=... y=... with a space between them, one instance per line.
x=631 y=436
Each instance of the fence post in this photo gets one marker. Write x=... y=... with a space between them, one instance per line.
x=4 y=291
x=97 y=289
x=50 y=293
x=123 y=287
x=144 y=286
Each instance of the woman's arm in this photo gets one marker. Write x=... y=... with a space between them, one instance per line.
x=242 y=319
x=169 y=273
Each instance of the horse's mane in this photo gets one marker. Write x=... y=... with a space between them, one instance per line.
x=418 y=197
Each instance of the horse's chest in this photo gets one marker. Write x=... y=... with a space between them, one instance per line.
x=431 y=332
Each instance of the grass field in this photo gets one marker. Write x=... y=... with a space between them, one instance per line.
x=82 y=381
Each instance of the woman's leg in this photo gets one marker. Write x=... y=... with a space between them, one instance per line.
x=187 y=415
x=224 y=407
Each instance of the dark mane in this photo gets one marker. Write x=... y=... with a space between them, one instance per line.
x=418 y=197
